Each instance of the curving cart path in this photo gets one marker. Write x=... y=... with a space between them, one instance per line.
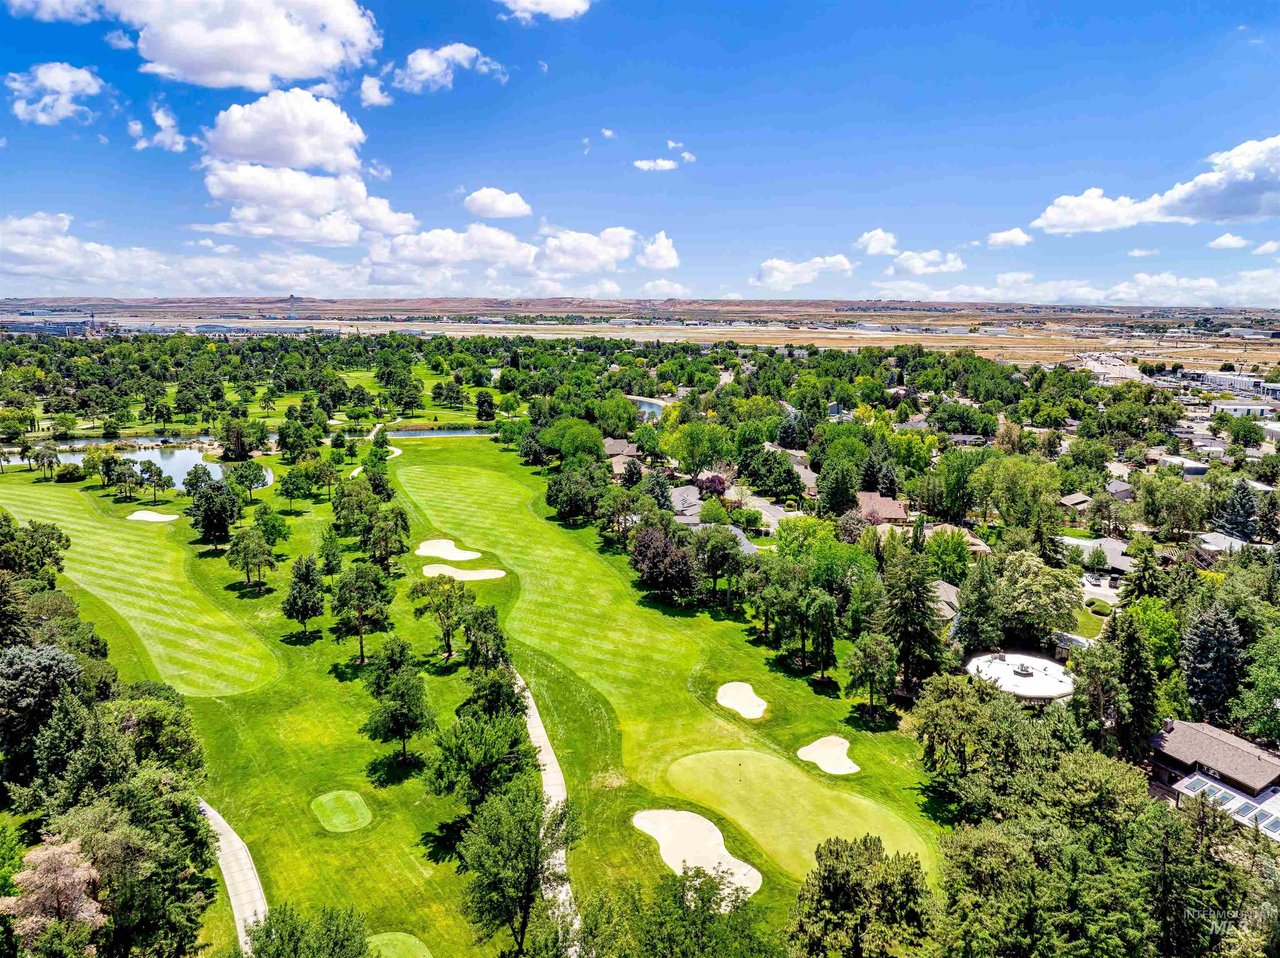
x=553 y=784
x=244 y=888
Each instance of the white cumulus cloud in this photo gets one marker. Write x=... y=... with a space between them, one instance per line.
x=478 y=243
x=688 y=157
x=1010 y=237
x=1228 y=241
x=664 y=289
x=674 y=144
x=923 y=263
x=166 y=136
x=493 y=203
x=877 y=242
x=1141 y=252
x=659 y=253
x=303 y=207
x=119 y=40
x=231 y=43
x=607 y=133
x=652 y=166
x=527 y=10
x=372 y=93
x=1242 y=185
x=428 y=69
x=288 y=128
x=570 y=253
x=49 y=93
x=1267 y=248
x=781 y=274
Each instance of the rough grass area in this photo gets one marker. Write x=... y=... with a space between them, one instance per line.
x=1088 y=624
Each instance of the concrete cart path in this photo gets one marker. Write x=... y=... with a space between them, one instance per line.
x=248 y=901
x=553 y=784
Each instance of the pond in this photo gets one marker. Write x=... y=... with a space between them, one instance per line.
x=176 y=462
x=436 y=433
x=649 y=407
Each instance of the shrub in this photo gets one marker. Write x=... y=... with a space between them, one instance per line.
x=68 y=472
x=1098 y=607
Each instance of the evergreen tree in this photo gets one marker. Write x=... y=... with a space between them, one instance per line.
x=1145 y=578
x=1212 y=662
x=977 y=627
x=910 y=618
x=1138 y=672
x=1238 y=515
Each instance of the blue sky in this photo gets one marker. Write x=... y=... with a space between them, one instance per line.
x=331 y=147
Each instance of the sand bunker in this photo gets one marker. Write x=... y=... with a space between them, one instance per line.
x=356 y=471
x=741 y=697
x=686 y=838
x=464 y=575
x=831 y=754
x=445 y=549
x=146 y=515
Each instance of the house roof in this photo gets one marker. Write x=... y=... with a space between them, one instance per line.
x=1193 y=743
x=1221 y=542
x=685 y=499
x=889 y=510
x=1075 y=500
x=1117 y=486
x=946 y=599
x=1112 y=548
x=620 y=447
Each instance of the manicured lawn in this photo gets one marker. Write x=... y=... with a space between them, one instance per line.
x=290 y=736
x=1088 y=624
x=627 y=690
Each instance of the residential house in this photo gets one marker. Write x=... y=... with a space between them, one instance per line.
x=967 y=439
x=1194 y=759
x=946 y=600
x=876 y=509
x=621 y=447
x=1191 y=468
x=686 y=501
x=1209 y=547
x=1117 y=562
x=1120 y=489
x=1075 y=505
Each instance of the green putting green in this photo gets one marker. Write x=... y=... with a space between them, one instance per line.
x=734 y=783
x=341 y=811
x=396 y=944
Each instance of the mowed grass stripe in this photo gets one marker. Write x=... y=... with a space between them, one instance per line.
x=139 y=570
x=659 y=669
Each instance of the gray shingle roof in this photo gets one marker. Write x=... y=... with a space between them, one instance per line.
x=1193 y=743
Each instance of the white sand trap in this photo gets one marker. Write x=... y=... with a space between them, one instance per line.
x=445 y=549
x=742 y=698
x=831 y=754
x=146 y=515
x=688 y=839
x=393 y=451
x=464 y=575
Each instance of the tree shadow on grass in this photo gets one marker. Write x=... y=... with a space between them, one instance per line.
x=393 y=769
x=825 y=686
x=301 y=639
x=442 y=668
x=347 y=671
x=863 y=718
x=937 y=805
x=442 y=844
x=245 y=590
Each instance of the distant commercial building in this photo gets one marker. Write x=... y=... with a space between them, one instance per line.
x=1255 y=410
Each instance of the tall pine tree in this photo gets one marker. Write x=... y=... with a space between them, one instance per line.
x=1238 y=515
x=1212 y=662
